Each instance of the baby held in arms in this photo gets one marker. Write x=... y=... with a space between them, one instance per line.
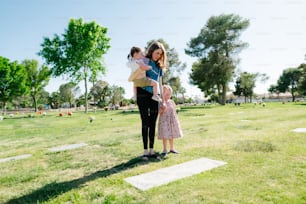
x=138 y=64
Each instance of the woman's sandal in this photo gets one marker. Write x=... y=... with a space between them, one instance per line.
x=145 y=157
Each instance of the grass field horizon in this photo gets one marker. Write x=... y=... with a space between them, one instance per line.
x=266 y=160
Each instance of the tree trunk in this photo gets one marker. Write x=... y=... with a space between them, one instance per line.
x=219 y=93
x=35 y=103
x=293 y=96
x=93 y=95
x=223 y=94
x=4 y=108
x=86 y=100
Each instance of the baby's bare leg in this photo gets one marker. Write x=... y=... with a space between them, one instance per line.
x=135 y=92
x=155 y=96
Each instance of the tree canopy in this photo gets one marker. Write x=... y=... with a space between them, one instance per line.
x=289 y=81
x=78 y=52
x=245 y=84
x=37 y=78
x=216 y=47
x=12 y=81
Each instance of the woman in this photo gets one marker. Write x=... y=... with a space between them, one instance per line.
x=148 y=108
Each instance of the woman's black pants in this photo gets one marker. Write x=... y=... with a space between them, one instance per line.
x=148 y=109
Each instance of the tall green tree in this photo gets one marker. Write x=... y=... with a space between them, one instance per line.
x=43 y=97
x=67 y=93
x=78 y=52
x=216 y=47
x=302 y=80
x=182 y=91
x=100 y=90
x=37 y=78
x=245 y=84
x=202 y=76
x=117 y=94
x=289 y=81
x=12 y=81
x=174 y=66
x=54 y=100
x=274 y=89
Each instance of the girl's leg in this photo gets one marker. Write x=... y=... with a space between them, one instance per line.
x=165 y=145
x=172 y=150
x=171 y=144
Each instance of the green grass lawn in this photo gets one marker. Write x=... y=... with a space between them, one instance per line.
x=266 y=161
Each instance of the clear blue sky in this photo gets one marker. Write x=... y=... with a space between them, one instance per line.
x=276 y=35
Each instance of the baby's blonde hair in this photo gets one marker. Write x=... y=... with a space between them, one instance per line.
x=168 y=88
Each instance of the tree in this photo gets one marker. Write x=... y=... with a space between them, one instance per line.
x=54 y=100
x=37 y=79
x=43 y=97
x=215 y=47
x=23 y=101
x=117 y=94
x=174 y=65
x=12 y=81
x=246 y=83
x=274 y=89
x=289 y=80
x=78 y=53
x=302 y=80
x=67 y=93
x=202 y=76
x=100 y=90
x=182 y=91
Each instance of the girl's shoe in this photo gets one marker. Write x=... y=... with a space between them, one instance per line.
x=173 y=151
x=163 y=154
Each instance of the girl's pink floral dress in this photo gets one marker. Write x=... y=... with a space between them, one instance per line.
x=168 y=124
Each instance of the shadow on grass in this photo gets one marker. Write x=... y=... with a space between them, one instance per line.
x=300 y=104
x=196 y=107
x=127 y=112
x=54 y=189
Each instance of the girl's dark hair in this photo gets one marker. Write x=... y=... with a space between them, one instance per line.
x=133 y=51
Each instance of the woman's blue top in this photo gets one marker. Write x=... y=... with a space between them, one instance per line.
x=154 y=74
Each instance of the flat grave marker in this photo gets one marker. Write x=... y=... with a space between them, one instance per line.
x=299 y=130
x=67 y=147
x=165 y=175
x=23 y=156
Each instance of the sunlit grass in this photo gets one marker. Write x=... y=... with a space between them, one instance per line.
x=266 y=161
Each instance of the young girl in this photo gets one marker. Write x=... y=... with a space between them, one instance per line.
x=138 y=72
x=168 y=125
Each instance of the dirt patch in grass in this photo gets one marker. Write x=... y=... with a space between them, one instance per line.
x=254 y=146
